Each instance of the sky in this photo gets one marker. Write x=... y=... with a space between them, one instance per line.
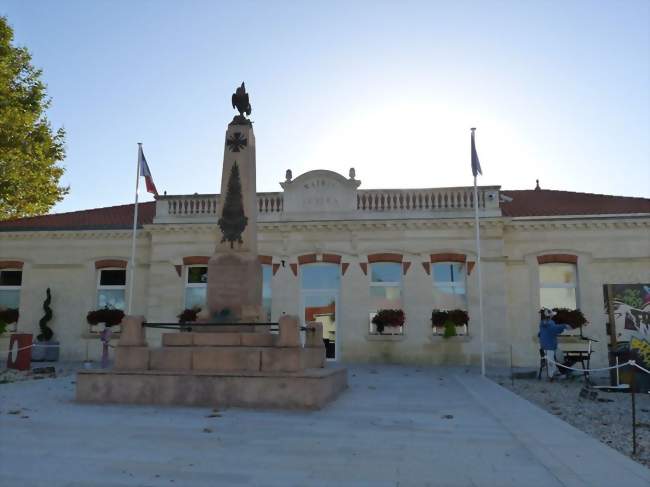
x=558 y=91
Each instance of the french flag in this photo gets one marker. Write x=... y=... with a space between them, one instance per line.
x=146 y=173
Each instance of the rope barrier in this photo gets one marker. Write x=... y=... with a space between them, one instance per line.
x=586 y=370
x=29 y=346
x=633 y=362
x=629 y=362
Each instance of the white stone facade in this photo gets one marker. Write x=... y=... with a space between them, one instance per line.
x=322 y=217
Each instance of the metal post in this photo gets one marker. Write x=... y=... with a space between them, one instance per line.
x=480 y=280
x=131 y=282
x=632 y=387
x=512 y=373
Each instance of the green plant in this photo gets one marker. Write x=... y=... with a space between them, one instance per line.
x=105 y=315
x=457 y=317
x=3 y=327
x=388 y=317
x=46 y=332
x=233 y=221
x=29 y=149
x=450 y=329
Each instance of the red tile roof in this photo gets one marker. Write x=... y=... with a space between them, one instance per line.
x=529 y=202
x=546 y=202
x=112 y=217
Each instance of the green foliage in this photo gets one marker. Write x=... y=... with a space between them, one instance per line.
x=29 y=150
x=458 y=317
x=46 y=332
x=233 y=221
x=631 y=297
x=3 y=327
x=450 y=329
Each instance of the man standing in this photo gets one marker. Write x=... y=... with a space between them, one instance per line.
x=548 y=332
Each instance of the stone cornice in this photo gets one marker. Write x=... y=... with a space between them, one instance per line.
x=577 y=224
x=74 y=234
x=280 y=227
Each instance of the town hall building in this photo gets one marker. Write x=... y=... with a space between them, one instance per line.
x=334 y=252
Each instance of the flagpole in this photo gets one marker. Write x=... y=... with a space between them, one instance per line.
x=478 y=270
x=135 y=229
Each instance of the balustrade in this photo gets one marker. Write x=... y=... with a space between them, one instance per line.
x=270 y=206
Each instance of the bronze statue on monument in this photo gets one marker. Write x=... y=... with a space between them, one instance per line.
x=241 y=102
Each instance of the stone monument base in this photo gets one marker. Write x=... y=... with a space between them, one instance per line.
x=234 y=287
x=232 y=368
x=307 y=389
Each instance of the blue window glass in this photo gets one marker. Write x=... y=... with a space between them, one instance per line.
x=267 y=275
x=386 y=272
x=320 y=276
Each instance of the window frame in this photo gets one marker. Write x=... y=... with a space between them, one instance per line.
x=546 y=285
x=12 y=327
x=451 y=284
x=460 y=330
x=100 y=287
x=187 y=284
x=372 y=328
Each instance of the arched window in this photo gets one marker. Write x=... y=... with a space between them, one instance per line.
x=111 y=286
x=449 y=290
x=558 y=283
x=196 y=282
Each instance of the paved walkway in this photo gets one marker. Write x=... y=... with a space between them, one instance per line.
x=395 y=426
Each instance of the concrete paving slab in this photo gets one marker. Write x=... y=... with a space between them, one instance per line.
x=393 y=426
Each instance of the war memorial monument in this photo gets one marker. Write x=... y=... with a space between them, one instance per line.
x=230 y=357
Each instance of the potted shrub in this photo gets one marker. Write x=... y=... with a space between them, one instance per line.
x=388 y=317
x=45 y=349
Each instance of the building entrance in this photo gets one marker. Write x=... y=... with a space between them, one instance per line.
x=319 y=300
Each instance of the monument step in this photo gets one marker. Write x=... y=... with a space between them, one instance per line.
x=308 y=389
x=233 y=339
x=224 y=358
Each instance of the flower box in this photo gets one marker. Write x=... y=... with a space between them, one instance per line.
x=449 y=323
x=389 y=321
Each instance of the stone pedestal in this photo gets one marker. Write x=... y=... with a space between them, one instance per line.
x=234 y=271
x=235 y=284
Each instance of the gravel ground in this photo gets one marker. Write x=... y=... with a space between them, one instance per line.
x=607 y=418
x=39 y=371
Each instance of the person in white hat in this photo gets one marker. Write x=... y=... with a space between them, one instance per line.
x=548 y=332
